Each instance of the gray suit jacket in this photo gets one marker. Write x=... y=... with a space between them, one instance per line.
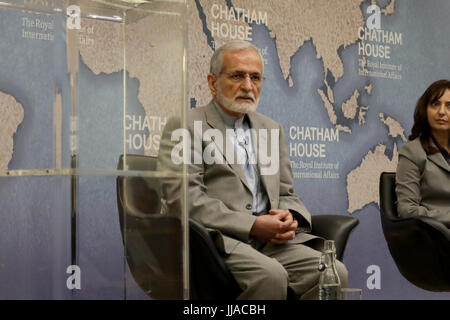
x=423 y=183
x=218 y=193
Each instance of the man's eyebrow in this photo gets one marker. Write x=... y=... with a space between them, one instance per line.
x=242 y=71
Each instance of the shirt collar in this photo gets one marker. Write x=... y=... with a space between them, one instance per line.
x=239 y=123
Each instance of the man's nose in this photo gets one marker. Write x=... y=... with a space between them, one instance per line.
x=247 y=83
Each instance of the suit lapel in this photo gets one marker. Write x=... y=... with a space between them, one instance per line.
x=269 y=181
x=214 y=120
x=438 y=159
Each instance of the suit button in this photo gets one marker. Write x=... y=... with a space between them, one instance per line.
x=248 y=207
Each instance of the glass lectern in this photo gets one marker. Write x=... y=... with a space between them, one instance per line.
x=86 y=89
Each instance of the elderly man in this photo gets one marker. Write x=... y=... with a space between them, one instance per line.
x=264 y=227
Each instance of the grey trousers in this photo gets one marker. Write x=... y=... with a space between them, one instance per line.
x=264 y=271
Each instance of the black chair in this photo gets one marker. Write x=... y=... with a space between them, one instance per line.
x=153 y=241
x=420 y=246
x=210 y=278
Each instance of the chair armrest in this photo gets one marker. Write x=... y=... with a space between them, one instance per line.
x=420 y=247
x=334 y=227
x=203 y=244
x=210 y=278
x=422 y=222
x=434 y=224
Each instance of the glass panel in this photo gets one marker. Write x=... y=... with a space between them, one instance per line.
x=34 y=237
x=86 y=90
x=34 y=87
x=155 y=234
x=100 y=252
x=35 y=190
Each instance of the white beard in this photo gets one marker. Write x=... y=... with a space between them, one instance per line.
x=233 y=105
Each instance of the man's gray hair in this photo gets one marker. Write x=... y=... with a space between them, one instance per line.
x=234 y=45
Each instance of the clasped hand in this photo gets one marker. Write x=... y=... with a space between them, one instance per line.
x=277 y=227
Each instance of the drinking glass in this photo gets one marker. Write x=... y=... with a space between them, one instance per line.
x=350 y=294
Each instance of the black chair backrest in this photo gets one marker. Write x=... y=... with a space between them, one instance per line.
x=141 y=195
x=388 y=197
x=152 y=241
x=137 y=162
x=419 y=247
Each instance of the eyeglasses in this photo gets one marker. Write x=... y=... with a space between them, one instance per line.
x=240 y=76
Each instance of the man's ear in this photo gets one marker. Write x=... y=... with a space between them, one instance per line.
x=212 y=79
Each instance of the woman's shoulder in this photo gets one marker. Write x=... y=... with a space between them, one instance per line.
x=413 y=150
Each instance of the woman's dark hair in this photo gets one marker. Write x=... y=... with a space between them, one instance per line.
x=421 y=127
